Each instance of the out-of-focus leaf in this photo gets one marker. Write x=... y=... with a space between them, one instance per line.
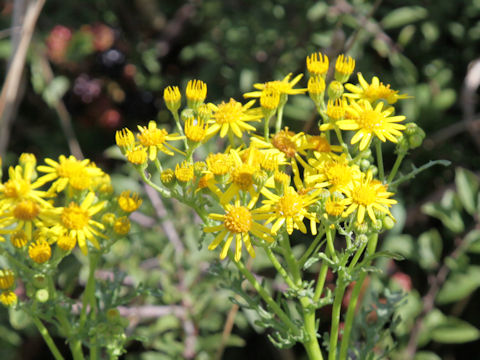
x=426 y=355
x=400 y=244
x=467 y=189
x=451 y=219
x=406 y=35
x=404 y=16
x=429 y=249
x=55 y=90
x=317 y=11
x=459 y=285
x=455 y=331
x=434 y=318
x=444 y=99
x=473 y=241
x=430 y=31
x=407 y=312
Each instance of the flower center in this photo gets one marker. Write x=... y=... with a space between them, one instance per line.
x=370 y=120
x=69 y=168
x=364 y=195
x=229 y=112
x=283 y=143
x=243 y=176
x=339 y=174
x=16 y=188
x=290 y=205
x=74 y=217
x=26 y=210
x=238 y=219
x=334 y=207
x=152 y=137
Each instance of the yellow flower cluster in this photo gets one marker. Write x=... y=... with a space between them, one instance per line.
x=261 y=185
x=60 y=203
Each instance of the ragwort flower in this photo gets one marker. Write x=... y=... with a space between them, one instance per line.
x=374 y=91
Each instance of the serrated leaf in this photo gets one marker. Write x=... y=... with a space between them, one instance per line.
x=467 y=189
x=403 y=16
x=455 y=331
x=429 y=249
x=459 y=285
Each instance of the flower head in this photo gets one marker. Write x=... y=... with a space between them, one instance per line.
x=344 y=68
x=40 y=251
x=129 y=202
x=7 y=279
x=232 y=118
x=196 y=93
x=184 y=172
x=125 y=138
x=238 y=224
x=317 y=64
x=8 y=298
x=138 y=155
x=172 y=98
x=195 y=130
x=369 y=122
x=155 y=139
x=374 y=91
x=283 y=87
x=367 y=195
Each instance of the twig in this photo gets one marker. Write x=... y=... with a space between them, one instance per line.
x=61 y=109
x=12 y=81
x=470 y=86
x=166 y=223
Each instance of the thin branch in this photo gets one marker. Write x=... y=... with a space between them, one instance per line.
x=10 y=87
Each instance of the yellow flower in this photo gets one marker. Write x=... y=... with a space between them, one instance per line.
x=334 y=205
x=40 y=251
x=7 y=279
x=66 y=242
x=219 y=164
x=19 y=239
x=76 y=221
x=241 y=178
x=167 y=177
x=232 y=118
x=129 y=202
x=156 y=139
x=290 y=209
x=317 y=64
x=283 y=87
x=138 y=155
x=121 y=225
x=78 y=174
x=335 y=172
x=269 y=99
x=172 y=98
x=374 y=91
x=238 y=224
x=196 y=93
x=316 y=89
x=125 y=138
x=184 y=172
x=367 y=195
x=195 y=130
x=369 y=121
x=8 y=298
x=321 y=146
x=344 y=68
x=19 y=187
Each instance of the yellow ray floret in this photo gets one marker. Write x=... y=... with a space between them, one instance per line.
x=374 y=91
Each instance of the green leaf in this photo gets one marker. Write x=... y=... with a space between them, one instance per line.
x=459 y=285
x=400 y=244
x=455 y=331
x=429 y=249
x=472 y=239
x=403 y=16
x=445 y=99
x=385 y=253
x=467 y=189
x=55 y=90
x=450 y=218
x=433 y=319
x=426 y=355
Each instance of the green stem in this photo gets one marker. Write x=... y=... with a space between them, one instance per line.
x=162 y=191
x=330 y=247
x=280 y=269
x=292 y=263
x=89 y=292
x=311 y=343
x=337 y=304
x=179 y=127
x=311 y=248
x=74 y=343
x=396 y=166
x=265 y=296
x=278 y=123
x=266 y=130
x=322 y=275
x=357 y=256
x=352 y=305
x=378 y=147
x=48 y=339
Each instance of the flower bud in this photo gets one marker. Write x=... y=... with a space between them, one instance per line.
x=335 y=90
x=42 y=295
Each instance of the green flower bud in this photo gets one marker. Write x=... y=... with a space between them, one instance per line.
x=335 y=90
x=167 y=177
x=388 y=223
x=42 y=295
x=40 y=281
x=187 y=114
